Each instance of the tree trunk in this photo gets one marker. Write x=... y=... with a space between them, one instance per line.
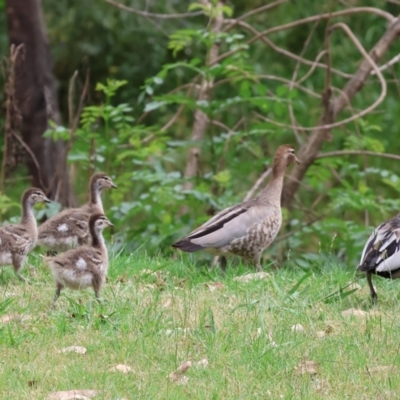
x=36 y=99
x=200 y=123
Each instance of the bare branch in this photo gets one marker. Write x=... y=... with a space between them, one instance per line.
x=74 y=123
x=355 y=10
x=343 y=99
x=287 y=53
x=299 y=229
x=200 y=118
x=313 y=67
x=357 y=153
x=258 y=184
x=294 y=78
x=71 y=93
x=310 y=150
x=385 y=66
x=255 y=12
x=179 y=112
x=13 y=115
x=273 y=78
x=153 y=15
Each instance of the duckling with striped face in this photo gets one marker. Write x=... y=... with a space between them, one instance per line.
x=85 y=266
x=17 y=240
x=70 y=229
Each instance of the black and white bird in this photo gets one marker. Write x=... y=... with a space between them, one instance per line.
x=381 y=254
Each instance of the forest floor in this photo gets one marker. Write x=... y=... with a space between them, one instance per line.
x=280 y=337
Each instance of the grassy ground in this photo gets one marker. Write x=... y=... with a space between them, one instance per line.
x=159 y=313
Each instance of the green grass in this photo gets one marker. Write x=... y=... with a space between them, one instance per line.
x=153 y=322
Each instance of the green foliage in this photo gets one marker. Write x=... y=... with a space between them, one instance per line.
x=144 y=95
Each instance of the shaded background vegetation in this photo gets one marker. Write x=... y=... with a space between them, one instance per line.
x=138 y=71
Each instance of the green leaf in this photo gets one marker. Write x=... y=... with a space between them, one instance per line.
x=278 y=109
x=281 y=91
x=227 y=10
x=154 y=105
x=223 y=177
x=244 y=90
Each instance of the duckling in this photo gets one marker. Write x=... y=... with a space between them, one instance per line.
x=381 y=254
x=69 y=228
x=17 y=240
x=248 y=228
x=85 y=266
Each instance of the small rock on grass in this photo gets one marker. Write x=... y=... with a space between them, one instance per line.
x=202 y=363
x=5 y=319
x=213 y=286
x=179 y=376
x=328 y=330
x=125 y=369
x=73 y=395
x=251 y=277
x=354 y=312
x=307 y=367
x=297 y=328
x=321 y=385
x=73 y=349
x=353 y=286
x=167 y=303
x=382 y=368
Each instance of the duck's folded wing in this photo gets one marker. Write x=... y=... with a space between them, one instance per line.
x=225 y=215
x=94 y=257
x=79 y=259
x=222 y=229
x=382 y=250
x=17 y=235
x=71 y=222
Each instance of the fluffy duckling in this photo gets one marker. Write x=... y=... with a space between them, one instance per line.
x=69 y=228
x=17 y=240
x=248 y=228
x=381 y=254
x=85 y=266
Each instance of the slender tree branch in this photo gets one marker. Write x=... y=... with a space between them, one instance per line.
x=258 y=184
x=256 y=11
x=294 y=231
x=372 y=66
x=355 y=10
x=313 y=67
x=294 y=78
x=385 y=66
x=311 y=149
x=179 y=112
x=358 y=153
x=287 y=53
x=153 y=15
x=74 y=123
x=200 y=118
x=344 y=98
